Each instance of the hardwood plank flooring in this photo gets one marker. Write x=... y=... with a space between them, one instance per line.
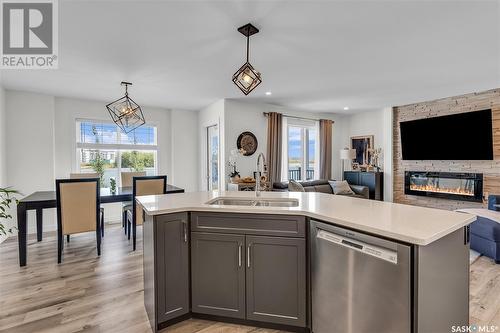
x=90 y=294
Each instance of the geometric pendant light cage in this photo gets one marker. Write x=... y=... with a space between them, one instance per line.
x=126 y=113
x=247 y=78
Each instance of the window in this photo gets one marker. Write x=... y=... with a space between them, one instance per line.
x=103 y=147
x=300 y=149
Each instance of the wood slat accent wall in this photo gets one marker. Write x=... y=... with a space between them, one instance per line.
x=465 y=103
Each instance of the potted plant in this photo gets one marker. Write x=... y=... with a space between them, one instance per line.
x=7 y=198
x=112 y=184
x=98 y=164
x=234 y=175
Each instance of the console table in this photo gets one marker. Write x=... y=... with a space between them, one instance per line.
x=373 y=180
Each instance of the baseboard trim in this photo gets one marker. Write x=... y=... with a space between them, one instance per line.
x=273 y=326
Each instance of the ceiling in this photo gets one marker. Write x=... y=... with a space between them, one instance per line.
x=313 y=55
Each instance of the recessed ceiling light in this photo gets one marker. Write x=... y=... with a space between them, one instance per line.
x=346 y=108
x=268 y=93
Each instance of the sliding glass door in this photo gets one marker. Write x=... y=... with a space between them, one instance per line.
x=213 y=158
x=301 y=150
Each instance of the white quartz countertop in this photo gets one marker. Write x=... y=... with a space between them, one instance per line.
x=411 y=224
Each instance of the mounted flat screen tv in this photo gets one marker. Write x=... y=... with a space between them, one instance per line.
x=463 y=136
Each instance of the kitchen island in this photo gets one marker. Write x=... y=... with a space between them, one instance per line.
x=304 y=262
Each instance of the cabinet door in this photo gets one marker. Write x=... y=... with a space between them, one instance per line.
x=276 y=280
x=368 y=179
x=352 y=177
x=172 y=264
x=218 y=274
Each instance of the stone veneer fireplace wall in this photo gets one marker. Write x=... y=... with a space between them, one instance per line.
x=489 y=169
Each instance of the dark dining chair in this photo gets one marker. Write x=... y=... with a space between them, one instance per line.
x=145 y=185
x=77 y=202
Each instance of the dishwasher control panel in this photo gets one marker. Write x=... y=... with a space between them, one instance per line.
x=356 y=245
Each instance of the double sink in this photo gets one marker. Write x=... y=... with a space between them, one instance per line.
x=255 y=202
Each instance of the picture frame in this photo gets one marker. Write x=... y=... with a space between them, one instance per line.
x=362 y=144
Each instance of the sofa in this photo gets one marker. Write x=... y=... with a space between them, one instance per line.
x=324 y=187
x=485 y=232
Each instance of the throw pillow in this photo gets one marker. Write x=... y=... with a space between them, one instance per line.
x=341 y=187
x=294 y=186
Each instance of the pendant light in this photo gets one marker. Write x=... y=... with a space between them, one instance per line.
x=247 y=78
x=126 y=113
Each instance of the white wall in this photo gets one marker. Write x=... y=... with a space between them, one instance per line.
x=387 y=156
x=184 y=149
x=368 y=123
x=41 y=144
x=379 y=124
x=3 y=140
x=30 y=146
x=3 y=154
x=242 y=117
x=209 y=116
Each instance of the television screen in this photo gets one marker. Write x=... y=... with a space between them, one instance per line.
x=463 y=136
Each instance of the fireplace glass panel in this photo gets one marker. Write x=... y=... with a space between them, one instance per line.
x=442 y=185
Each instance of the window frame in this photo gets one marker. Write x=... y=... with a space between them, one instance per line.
x=305 y=125
x=118 y=147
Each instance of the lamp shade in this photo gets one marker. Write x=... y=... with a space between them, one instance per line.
x=347 y=154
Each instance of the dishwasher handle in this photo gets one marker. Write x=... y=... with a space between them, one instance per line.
x=360 y=246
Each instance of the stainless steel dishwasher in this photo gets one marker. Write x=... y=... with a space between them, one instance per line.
x=360 y=283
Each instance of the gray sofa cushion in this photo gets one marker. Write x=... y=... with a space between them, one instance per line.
x=361 y=191
x=323 y=188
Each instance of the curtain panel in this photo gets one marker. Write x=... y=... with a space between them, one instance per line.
x=325 y=150
x=274 y=146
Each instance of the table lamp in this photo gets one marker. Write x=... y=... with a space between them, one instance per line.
x=346 y=154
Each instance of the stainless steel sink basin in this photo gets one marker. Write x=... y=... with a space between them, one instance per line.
x=257 y=202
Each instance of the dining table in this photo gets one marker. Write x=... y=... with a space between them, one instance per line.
x=41 y=200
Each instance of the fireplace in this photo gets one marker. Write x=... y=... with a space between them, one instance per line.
x=446 y=185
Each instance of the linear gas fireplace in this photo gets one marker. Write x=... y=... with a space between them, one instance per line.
x=446 y=185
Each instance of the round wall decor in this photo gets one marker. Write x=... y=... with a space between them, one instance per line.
x=248 y=142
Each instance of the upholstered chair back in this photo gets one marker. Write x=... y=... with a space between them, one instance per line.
x=78 y=205
x=127 y=177
x=151 y=185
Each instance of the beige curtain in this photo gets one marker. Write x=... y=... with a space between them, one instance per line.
x=274 y=144
x=325 y=149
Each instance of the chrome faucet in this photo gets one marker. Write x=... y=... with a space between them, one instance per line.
x=257 y=181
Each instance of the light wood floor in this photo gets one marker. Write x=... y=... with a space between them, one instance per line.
x=90 y=294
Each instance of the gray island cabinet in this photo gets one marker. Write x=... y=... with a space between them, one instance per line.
x=300 y=273
x=249 y=267
x=166 y=267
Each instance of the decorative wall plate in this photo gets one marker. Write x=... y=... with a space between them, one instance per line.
x=248 y=142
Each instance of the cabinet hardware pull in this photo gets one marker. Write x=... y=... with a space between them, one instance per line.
x=239 y=255
x=185 y=232
x=248 y=255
